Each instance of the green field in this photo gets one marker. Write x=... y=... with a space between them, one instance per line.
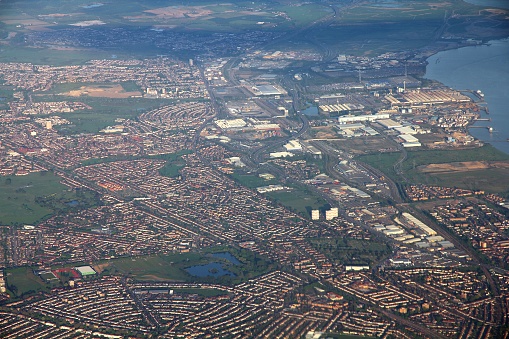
x=22 y=280
x=343 y=251
x=44 y=56
x=494 y=180
x=168 y=267
x=174 y=163
x=19 y=195
x=251 y=180
x=104 y=111
x=298 y=199
x=171 y=267
x=190 y=15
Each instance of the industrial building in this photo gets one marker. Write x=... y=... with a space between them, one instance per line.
x=85 y=270
x=416 y=222
x=426 y=97
x=359 y=118
x=293 y=146
x=409 y=141
x=389 y=123
x=229 y=124
x=266 y=90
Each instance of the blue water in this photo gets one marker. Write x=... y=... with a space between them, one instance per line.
x=227 y=256
x=312 y=110
x=486 y=68
x=206 y=270
x=92 y=6
x=73 y=203
x=490 y=3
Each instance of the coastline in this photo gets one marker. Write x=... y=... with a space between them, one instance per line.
x=457 y=69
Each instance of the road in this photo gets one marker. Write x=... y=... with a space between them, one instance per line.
x=498 y=316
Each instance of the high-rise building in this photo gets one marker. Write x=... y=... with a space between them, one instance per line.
x=332 y=213
x=315 y=214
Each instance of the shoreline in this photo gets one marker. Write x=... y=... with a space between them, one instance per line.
x=482 y=102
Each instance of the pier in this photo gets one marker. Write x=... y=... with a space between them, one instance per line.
x=488 y=127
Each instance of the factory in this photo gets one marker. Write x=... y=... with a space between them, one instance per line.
x=426 y=98
x=230 y=124
x=267 y=90
x=416 y=222
x=360 y=118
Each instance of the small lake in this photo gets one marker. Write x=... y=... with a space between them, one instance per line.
x=73 y=203
x=312 y=110
x=227 y=256
x=214 y=269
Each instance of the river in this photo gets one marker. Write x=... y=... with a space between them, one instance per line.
x=485 y=68
x=490 y=3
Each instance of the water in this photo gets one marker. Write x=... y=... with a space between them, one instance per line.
x=490 y=3
x=213 y=269
x=312 y=110
x=92 y=6
x=486 y=68
x=73 y=203
x=227 y=256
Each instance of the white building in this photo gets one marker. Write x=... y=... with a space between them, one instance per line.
x=293 y=146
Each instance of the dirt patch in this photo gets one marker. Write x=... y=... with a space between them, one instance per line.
x=497 y=11
x=180 y=12
x=89 y=23
x=465 y=166
x=100 y=267
x=325 y=135
x=114 y=91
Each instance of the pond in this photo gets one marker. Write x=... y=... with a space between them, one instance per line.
x=312 y=110
x=73 y=203
x=214 y=269
x=228 y=256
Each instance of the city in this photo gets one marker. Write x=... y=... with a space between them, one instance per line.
x=247 y=184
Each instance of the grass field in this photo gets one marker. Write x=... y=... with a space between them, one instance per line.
x=351 y=251
x=18 y=196
x=298 y=199
x=251 y=180
x=174 y=163
x=494 y=180
x=104 y=111
x=22 y=280
x=168 y=267
x=171 y=267
x=190 y=15
x=44 y=56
